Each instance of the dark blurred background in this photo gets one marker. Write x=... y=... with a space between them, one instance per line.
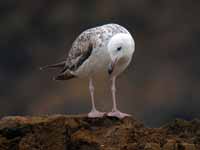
x=162 y=83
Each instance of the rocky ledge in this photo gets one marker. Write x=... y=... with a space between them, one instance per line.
x=62 y=132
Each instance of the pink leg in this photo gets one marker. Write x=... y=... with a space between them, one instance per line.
x=94 y=113
x=115 y=112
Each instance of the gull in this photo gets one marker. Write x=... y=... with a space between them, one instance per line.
x=106 y=49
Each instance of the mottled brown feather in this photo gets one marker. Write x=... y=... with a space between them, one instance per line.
x=84 y=44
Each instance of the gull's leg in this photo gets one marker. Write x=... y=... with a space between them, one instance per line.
x=115 y=112
x=94 y=113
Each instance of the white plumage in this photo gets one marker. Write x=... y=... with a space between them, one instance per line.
x=107 y=50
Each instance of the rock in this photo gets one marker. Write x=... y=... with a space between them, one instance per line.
x=62 y=132
x=170 y=144
x=187 y=146
x=152 y=146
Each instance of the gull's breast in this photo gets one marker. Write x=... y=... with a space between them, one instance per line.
x=96 y=64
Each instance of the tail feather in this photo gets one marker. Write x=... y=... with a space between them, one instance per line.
x=53 y=66
x=64 y=76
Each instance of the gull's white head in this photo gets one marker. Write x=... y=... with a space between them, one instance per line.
x=121 y=48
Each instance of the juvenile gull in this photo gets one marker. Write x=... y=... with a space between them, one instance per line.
x=107 y=50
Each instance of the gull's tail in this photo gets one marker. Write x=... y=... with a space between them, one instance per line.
x=53 y=66
x=65 y=74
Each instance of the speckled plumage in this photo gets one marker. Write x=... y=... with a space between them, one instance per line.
x=95 y=37
x=87 y=52
x=106 y=51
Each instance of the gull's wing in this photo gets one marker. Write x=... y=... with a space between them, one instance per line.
x=80 y=51
x=53 y=66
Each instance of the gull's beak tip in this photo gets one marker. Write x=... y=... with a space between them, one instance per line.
x=110 y=69
x=112 y=66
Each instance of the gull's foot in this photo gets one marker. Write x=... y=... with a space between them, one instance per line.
x=95 y=114
x=118 y=114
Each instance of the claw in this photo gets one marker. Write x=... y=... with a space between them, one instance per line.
x=96 y=114
x=118 y=114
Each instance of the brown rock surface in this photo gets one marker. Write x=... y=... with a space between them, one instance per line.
x=62 y=132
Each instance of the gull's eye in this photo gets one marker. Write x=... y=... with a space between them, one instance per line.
x=119 y=48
